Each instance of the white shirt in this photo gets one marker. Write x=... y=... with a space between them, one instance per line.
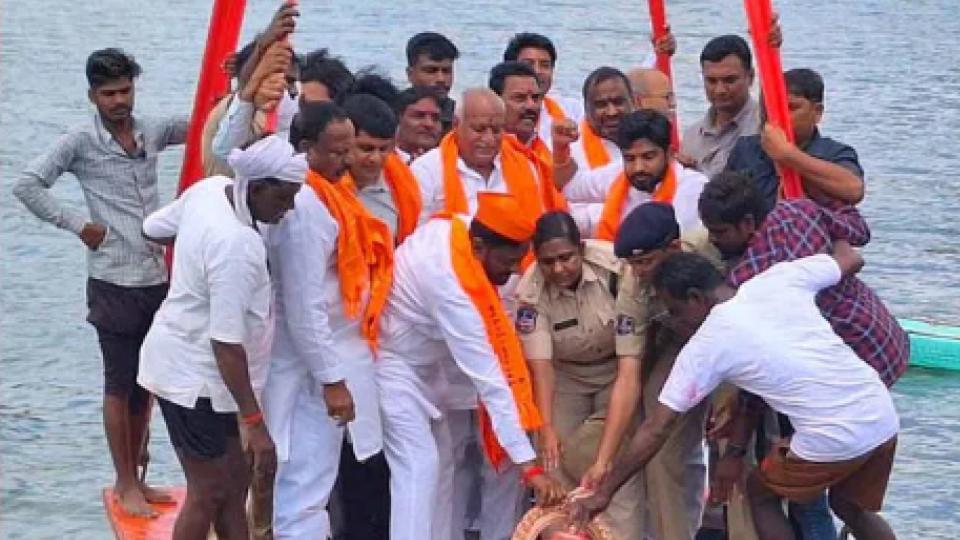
x=219 y=290
x=431 y=322
x=428 y=169
x=315 y=342
x=236 y=126
x=588 y=186
x=578 y=154
x=771 y=339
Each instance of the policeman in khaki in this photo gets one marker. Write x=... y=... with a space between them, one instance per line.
x=675 y=478
x=566 y=321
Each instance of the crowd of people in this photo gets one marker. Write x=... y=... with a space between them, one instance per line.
x=399 y=315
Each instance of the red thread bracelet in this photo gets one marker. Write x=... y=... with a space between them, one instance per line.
x=252 y=419
x=532 y=473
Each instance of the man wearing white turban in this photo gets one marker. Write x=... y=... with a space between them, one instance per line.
x=205 y=356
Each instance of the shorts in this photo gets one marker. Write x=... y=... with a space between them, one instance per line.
x=122 y=317
x=861 y=481
x=199 y=433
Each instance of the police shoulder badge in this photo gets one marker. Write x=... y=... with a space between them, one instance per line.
x=526 y=319
x=625 y=325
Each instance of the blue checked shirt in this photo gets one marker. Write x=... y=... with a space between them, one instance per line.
x=120 y=190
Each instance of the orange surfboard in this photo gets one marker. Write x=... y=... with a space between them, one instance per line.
x=127 y=527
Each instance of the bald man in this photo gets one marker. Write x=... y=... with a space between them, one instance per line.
x=477 y=142
x=652 y=90
x=483 y=163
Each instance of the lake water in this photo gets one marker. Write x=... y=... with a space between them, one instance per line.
x=893 y=92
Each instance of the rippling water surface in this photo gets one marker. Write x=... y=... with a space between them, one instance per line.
x=893 y=92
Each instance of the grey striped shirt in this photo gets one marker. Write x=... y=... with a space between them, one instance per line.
x=120 y=190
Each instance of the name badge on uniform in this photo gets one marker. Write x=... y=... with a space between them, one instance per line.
x=625 y=325
x=526 y=319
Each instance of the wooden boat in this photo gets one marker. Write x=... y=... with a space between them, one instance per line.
x=127 y=527
x=932 y=345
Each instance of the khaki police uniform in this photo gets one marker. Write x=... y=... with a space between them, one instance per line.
x=575 y=329
x=676 y=477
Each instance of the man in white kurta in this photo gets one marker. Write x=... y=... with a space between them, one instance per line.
x=318 y=352
x=481 y=118
x=206 y=354
x=429 y=325
x=641 y=132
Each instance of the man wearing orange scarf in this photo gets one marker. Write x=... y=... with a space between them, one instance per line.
x=444 y=310
x=473 y=158
x=520 y=89
x=648 y=173
x=384 y=183
x=331 y=262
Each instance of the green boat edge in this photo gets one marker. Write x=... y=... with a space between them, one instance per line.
x=933 y=346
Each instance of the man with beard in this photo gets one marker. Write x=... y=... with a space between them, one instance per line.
x=430 y=58
x=770 y=338
x=114 y=158
x=418 y=121
x=331 y=262
x=649 y=172
x=752 y=240
x=208 y=351
x=443 y=315
x=474 y=158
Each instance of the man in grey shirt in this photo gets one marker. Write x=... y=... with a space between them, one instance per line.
x=114 y=157
x=727 y=70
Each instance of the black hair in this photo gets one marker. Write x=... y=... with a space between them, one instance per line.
x=729 y=197
x=372 y=115
x=313 y=119
x=553 y=225
x=243 y=56
x=805 y=83
x=529 y=40
x=721 y=47
x=107 y=65
x=500 y=72
x=490 y=238
x=295 y=136
x=644 y=124
x=369 y=81
x=601 y=74
x=414 y=94
x=436 y=46
x=319 y=66
x=680 y=272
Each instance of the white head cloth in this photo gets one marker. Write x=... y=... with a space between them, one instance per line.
x=270 y=157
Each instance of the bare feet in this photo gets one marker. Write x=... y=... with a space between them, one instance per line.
x=155 y=496
x=133 y=502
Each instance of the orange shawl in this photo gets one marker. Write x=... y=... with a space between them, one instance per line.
x=364 y=252
x=539 y=156
x=517 y=174
x=613 y=207
x=597 y=155
x=501 y=334
x=406 y=194
x=554 y=109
